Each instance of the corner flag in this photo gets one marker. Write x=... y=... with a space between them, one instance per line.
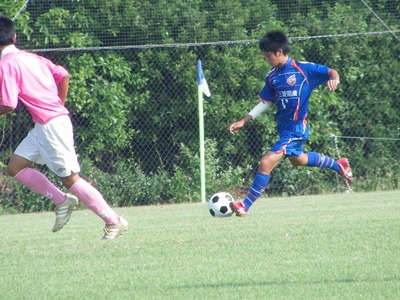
x=202 y=89
x=201 y=80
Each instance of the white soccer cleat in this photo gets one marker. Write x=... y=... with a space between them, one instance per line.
x=111 y=232
x=64 y=211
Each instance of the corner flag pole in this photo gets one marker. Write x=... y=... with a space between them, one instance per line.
x=202 y=88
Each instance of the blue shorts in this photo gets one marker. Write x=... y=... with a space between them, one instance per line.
x=292 y=137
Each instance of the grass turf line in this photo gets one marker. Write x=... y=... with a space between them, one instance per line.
x=341 y=246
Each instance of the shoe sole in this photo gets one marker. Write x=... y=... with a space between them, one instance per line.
x=116 y=236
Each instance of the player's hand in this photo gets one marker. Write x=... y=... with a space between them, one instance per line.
x=332 y=84
x=234 y=127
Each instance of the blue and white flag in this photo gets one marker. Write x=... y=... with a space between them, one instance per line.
x=201 y=80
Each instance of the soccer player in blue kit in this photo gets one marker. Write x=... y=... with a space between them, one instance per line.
x=288 y=86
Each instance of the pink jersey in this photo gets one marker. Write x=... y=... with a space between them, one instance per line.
x=32 y=79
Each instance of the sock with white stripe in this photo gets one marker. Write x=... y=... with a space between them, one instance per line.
x=39 y=183
x=260 y=182
x=93 y=200
x=321 y=161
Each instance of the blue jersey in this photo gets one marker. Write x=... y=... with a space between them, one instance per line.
x=290 y=87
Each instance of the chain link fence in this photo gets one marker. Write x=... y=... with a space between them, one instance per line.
x=134 y=102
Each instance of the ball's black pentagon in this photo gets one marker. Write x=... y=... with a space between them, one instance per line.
x=212 y=212
x=223 y=209
x=215 y=199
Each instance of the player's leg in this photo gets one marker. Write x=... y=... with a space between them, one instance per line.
x=61 y=159
x=39 y=183
x=291 y=140
x=313 y=159
x=36 y=148
x=260 y=182
x=317 y=160
x=18 y=169
x=93 y=199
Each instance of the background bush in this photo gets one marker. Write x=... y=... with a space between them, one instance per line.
x=133 y=95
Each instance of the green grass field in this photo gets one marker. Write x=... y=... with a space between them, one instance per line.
x=341 y=246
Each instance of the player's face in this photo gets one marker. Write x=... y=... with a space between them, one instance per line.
x=274 y=59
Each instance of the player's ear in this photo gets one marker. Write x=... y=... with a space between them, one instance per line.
x=15 y=38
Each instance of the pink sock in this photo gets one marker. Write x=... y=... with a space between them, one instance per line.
x=94 y=201
x=40 y=184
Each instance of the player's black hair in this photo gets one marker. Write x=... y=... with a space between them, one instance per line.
x=7 y=31
x=273 y=41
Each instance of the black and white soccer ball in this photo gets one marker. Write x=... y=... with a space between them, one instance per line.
x=218 y=205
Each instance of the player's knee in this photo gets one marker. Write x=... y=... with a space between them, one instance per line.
x=298 y=161
x=16 y=165
x=13 y=169
x=69 y=181
x=266 y=165
x=295 y=163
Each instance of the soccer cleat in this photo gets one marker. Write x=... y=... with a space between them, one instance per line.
x=345 y=169
x=238 y=208
x=111 y=232
x=63 y=212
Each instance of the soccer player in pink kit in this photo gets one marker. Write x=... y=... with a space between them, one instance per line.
x=288 y=86
x=42 y=87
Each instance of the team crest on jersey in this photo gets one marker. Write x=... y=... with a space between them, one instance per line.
x=291 y=80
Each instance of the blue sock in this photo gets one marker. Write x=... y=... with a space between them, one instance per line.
x=260 y=182
x=321 y=161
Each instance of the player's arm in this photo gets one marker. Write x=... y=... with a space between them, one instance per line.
x=259 y=109
x=334 y=80
x=61 y=78
x=8 y=91
x=235 y=126
x=253 y=114
x=63 y=87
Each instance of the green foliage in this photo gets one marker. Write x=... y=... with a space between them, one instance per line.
x=139 y=105
x=186 y=182
x=128 y=186
x=99 y=99
x=10 y=8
